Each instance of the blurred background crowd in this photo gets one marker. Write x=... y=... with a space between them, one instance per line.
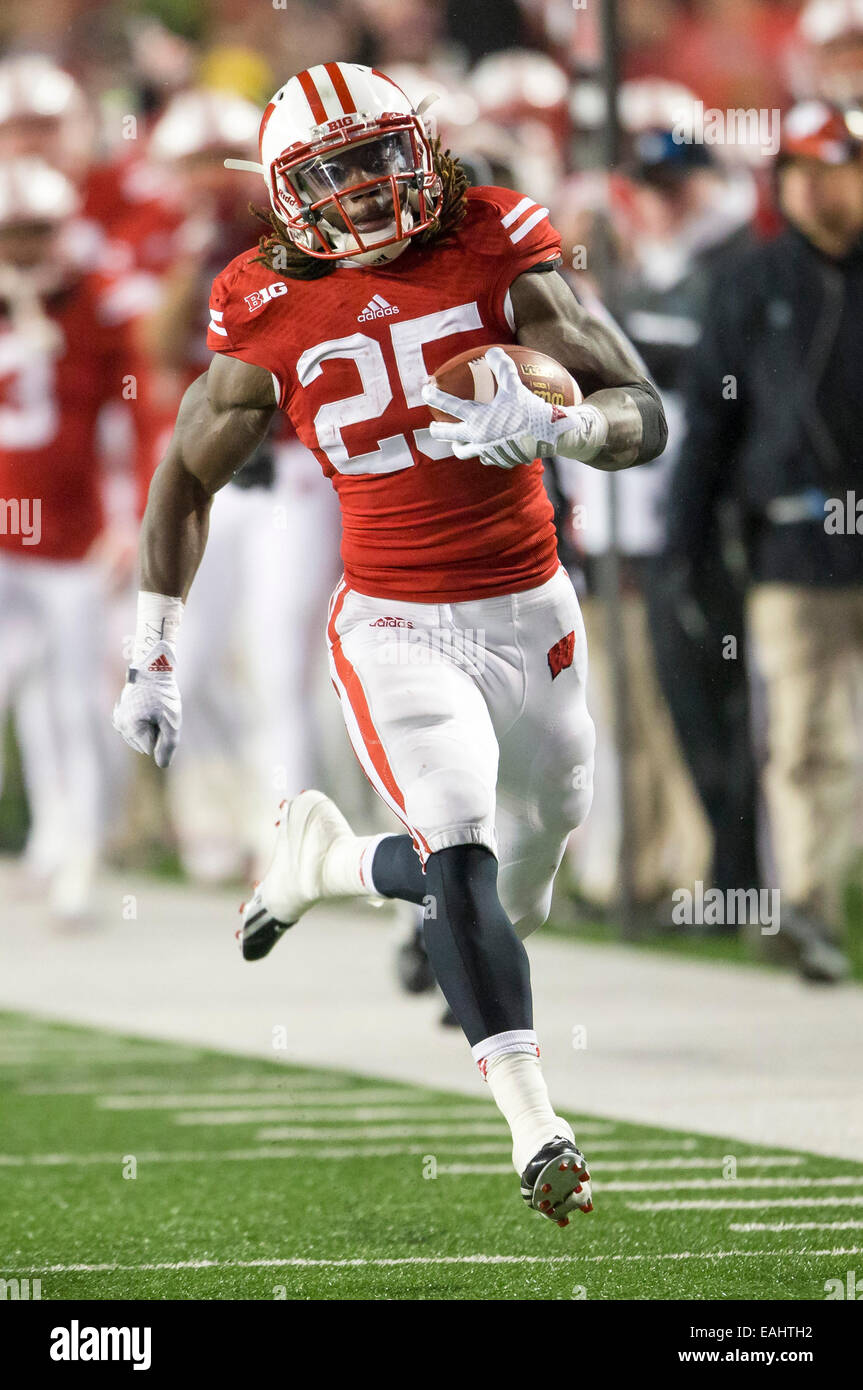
x=722 y=585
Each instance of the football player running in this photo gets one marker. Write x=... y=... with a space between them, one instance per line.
x=456 y=643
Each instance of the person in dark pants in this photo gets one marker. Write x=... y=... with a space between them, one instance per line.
x=775 y=420
x=690 y=219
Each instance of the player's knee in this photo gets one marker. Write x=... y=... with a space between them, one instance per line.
x=526 y=888
x=580 y=797
x=450 y=799
x=533 y=917
x=566 y=800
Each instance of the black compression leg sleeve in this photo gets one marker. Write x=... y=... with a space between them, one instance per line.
x=397 y=871
x=479 y=961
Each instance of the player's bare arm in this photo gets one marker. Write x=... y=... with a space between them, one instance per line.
x=224 y=415
x=549 y=317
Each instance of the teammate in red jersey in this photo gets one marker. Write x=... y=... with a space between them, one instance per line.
x=62 y=358
x=456 y=643
x=45 y=114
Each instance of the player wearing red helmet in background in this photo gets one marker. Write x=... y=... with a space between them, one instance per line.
x=456 y=643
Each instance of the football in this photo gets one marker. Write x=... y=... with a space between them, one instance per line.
x=469 y=377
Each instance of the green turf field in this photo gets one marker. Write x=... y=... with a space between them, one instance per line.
x=256 y=1180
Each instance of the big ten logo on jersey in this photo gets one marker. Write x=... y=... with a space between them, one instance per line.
x=263 y=296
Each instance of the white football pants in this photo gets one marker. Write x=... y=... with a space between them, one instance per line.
x=471 y=723
x=53 y=671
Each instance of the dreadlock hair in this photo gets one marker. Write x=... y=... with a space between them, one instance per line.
x=277 y=252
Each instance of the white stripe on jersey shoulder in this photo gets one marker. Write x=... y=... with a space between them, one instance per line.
x=217 y=314
x=217 y=328
x=517 y=211
x=528 y=225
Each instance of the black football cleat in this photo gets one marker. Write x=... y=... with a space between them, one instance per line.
x=260 y=930
x=556 y=1181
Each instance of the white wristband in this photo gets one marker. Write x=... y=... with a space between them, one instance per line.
x=589 y=436
x=158 y=621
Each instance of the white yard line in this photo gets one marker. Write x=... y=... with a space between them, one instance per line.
x=323 y=1135
x=289 y=1132
x=669 y=1164
x=48 y=1160
x=303 y=1262
x=231 y=1087
x=672 y=1163
x=746 y=1226
x=281 y=1097
x=342 y=1119
x=459 y=1170
x=741 y=1204
x=363 y=1150
x=718 y=1255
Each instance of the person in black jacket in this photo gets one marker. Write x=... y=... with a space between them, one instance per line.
x=661 y=307
x=775 y=420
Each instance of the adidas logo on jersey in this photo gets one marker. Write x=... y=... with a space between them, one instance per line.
x=377 y=308
x=161 y=664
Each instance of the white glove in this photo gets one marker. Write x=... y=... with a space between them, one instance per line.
x=516 y=426
x=149 y=709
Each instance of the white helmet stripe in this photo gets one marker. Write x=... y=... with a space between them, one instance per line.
x=328 y=97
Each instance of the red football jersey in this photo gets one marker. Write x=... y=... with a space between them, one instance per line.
x=350 y=353
x=50 y=398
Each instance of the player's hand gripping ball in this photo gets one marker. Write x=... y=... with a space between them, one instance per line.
x=503 y=404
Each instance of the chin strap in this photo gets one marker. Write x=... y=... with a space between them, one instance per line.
x=343 y=242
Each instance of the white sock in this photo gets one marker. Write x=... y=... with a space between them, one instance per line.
x=346 y=872
x=521 y=1096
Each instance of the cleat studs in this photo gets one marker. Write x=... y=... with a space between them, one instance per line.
x=578 y=1188
x=546 y=1187
x=564 y=1222
x=561 y=1167
x=543 y=1205
x=587 y=1208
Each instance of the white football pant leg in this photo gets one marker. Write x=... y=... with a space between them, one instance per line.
x=416 y=717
